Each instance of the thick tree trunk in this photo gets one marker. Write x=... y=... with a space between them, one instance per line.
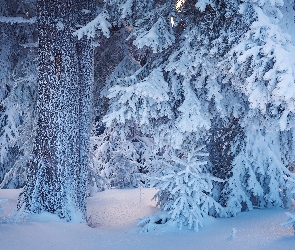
x=58 y=173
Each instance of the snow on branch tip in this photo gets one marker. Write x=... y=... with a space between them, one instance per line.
x=17 y=20
x=90 y=29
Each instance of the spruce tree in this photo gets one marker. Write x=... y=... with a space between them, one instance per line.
x=211 y=67
x=18 y=87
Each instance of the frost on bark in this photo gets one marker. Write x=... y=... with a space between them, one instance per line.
x=58 y=172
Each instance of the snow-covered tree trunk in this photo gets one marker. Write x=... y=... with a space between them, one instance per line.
x=86 y=79
x=57 y=174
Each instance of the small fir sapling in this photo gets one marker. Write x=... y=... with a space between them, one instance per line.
x=184 y=190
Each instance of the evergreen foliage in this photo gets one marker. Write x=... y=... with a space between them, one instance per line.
x=184 y=186
x=117 y=159
x=169 y=76
x=198 y=85
x=18 y=85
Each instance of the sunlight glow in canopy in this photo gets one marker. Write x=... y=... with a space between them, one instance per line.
x=179 y=4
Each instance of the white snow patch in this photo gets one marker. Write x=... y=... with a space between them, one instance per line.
x=60 y=25
x=91 y=29
x=13 y=20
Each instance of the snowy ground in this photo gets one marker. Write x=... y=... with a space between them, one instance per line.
x=114 y=214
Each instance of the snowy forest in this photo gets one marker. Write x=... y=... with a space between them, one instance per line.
x=192 y=98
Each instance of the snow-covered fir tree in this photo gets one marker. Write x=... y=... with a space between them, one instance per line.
x=118 y=152
x=258 y=177
x=261 y=69
x=119 y=158
x=202 y=65
x=158 y=102
x=18 y=85
x=184 y=185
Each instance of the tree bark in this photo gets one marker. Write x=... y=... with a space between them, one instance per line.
x=58 y=172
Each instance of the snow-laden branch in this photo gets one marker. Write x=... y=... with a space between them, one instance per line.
x=30 y=45
x=17 y=20
x=290 y=222
x=90 y=29
x=150 y=94
x=270 y=82
x=158 y=37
